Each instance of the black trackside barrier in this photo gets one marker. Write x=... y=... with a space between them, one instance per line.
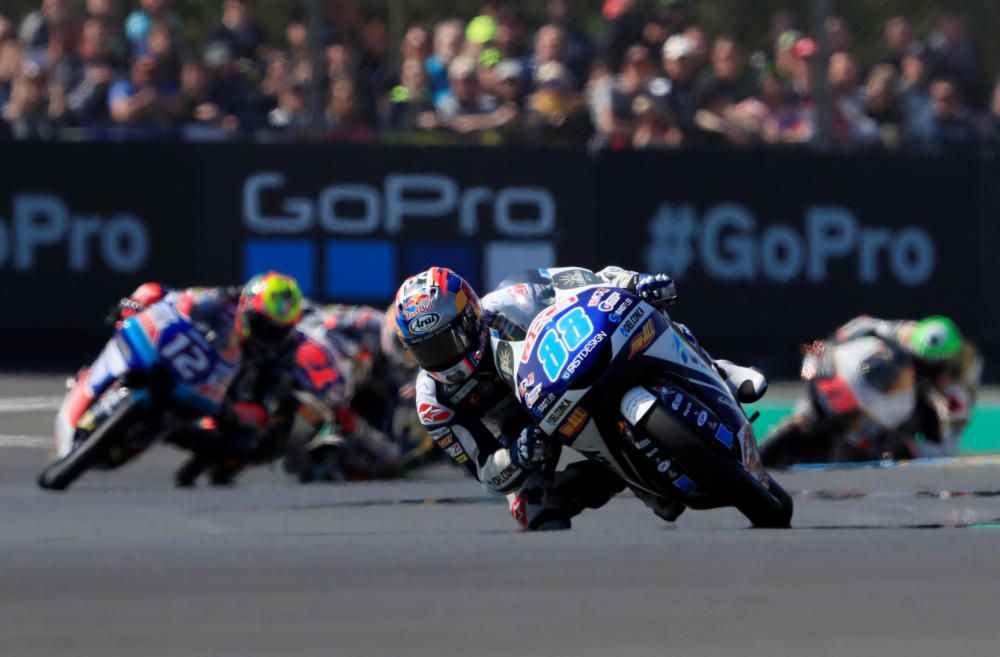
x=770 y=249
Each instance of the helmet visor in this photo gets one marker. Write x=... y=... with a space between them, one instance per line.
x=267 y=331
x=447 y=347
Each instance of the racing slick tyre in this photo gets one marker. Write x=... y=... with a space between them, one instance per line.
x=61 y=473
x=715 y=471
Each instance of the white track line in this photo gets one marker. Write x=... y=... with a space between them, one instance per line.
x=29 y=404
x=24 y=441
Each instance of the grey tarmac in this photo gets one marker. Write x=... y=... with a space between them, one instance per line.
x=881 y=563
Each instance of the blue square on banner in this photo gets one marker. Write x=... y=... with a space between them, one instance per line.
x=360 y=269
x=293 y=257
x=463 y=257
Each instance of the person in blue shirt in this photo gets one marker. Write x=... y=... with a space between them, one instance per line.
x=144 y=98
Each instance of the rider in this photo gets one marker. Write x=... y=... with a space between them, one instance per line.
x=256 y=412
x=374 y=384
x=473 y=415
x=948 y=369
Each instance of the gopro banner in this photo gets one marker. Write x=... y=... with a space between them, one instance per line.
x=770 y=249
x=352 y=222
x=779 y=248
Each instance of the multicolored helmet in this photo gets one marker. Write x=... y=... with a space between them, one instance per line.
x=935 y=339
x=270 y=307
x=438 y=317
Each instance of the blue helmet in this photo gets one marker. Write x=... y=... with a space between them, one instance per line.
x=438 y=317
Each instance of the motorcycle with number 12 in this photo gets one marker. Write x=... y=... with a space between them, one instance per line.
x=162 y=369
x=611 y=377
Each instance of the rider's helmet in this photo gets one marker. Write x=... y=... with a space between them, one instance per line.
x=935 y=339
x=270 y=307
x=439 y=318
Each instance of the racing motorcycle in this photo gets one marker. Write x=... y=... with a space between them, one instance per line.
x=329 y=441
x=610 y=376
x=162 y=369
x=860 y=396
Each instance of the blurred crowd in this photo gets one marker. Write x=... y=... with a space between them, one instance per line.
x=651 y=77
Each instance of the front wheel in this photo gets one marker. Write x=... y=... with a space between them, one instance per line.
x=61 y=473
x=713 y=471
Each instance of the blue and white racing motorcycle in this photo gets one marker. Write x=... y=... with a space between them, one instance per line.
x=609 y=376
x=164 y=368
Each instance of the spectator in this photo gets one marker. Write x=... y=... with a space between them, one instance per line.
x=556 y=113
x=952 y=130
x=162 y=46
x=290 y=113
x=6 y=28
x=343 y=114
x=784 y=58
x=417 y=43
x=297 y=37
x=898 y=39
x=510 y=36
x=730 y=70
x=625 y=25
x=612 y=99
x=850 y=124
x=667 y=20
x=881 y=104
x=577 y=49
x=839 y=35
x=230 y=90
x=466 y=109
x=699 y=47
x=914 y=95
x=196 y=98
x=238 y=29
x=680 y=65
x=103 y=10
x=486 y=76
x=62 y=64
x=140 y=22
x=781 y=22
x=87 y=99
x=479 y=36
x=409 y=106
x=549 y=44
x=508 y=78
x=448 y=41
x=802 y=72
x=37 y=25
x=144 y=98
x=956 y=55
x=784 y=122
x=277 y=77
x=10 y=64
x=28 y=110
x=653 y=127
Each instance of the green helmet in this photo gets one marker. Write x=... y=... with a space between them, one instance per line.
x=935 y=339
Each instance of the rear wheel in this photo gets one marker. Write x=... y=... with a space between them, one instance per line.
x=711 y=470
x=61 y=473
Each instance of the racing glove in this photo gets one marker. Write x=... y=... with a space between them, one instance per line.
x=656 y=288
x=532 y=448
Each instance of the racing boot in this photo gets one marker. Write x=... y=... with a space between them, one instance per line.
x=548 y=502
x=668 y=510
x=747 y=384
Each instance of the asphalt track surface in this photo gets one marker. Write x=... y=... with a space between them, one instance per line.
x=881 y=562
